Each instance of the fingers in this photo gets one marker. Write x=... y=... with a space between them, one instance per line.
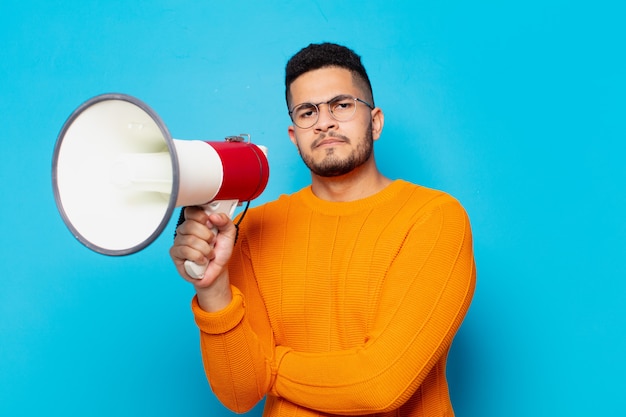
x=193 y=248
x=203 y=238
x=180 y=252
x=219 y=221
x=224 y=225
x=194 y=239
x=196 y=214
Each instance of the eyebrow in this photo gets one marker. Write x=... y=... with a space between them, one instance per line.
x=339 y=97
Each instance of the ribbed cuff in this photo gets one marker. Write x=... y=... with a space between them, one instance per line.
x=279 y=353
x=221 y=321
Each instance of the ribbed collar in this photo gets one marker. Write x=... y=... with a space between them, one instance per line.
x=333 y=208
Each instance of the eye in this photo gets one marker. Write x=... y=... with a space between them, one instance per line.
x=305 y=111
x=342 y=106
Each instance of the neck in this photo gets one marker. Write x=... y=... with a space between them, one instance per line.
x=360 y=183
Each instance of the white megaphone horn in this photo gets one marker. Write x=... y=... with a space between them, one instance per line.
x=118 y=175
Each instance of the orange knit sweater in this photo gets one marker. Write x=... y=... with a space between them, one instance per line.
x=343 y=308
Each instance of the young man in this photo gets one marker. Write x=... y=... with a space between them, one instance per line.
x=344 y=297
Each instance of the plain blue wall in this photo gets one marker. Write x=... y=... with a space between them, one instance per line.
x=517 y=109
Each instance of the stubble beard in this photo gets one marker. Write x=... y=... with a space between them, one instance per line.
x=334 y=166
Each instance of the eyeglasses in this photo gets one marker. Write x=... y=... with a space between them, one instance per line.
x=342 y=108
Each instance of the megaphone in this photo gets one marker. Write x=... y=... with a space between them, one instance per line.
x=118 y=175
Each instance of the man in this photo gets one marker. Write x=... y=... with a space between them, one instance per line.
x=344 y=297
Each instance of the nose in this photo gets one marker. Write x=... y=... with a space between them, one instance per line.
x=325 y=120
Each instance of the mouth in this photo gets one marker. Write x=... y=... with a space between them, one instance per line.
x=329 y=140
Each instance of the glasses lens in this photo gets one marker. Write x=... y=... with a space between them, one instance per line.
x=305 y=115
x=343 y=108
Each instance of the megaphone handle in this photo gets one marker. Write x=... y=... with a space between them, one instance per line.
x=219 y=206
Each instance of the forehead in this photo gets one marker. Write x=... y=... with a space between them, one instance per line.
x=323 y=84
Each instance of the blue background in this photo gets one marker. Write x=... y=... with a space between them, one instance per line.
x=515 y=108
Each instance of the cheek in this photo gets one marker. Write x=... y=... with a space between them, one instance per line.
x=294 y=140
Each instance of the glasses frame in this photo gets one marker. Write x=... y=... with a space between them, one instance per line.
x=317 y=108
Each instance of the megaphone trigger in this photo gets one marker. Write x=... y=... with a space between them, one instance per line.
x=227 y=207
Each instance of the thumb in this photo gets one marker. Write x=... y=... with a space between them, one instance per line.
x=223 y=224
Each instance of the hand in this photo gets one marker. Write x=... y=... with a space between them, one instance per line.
x=196 y=241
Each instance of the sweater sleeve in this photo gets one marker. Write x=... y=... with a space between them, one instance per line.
x=237 y=343
x=425 y=296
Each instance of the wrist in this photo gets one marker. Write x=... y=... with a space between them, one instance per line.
x=215 y=297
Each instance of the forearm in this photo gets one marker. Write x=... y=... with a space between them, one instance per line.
x=237 y=360
x=365 y=380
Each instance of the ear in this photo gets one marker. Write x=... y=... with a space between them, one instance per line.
x=378 y=121
x=292 y=134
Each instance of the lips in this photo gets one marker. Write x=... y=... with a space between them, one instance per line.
x=329 y=139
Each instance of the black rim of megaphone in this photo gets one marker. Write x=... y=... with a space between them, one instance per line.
x=175 y=173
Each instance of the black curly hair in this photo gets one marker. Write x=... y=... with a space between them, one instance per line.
x=322 y=55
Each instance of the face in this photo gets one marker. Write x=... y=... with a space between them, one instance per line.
x=331 y=148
